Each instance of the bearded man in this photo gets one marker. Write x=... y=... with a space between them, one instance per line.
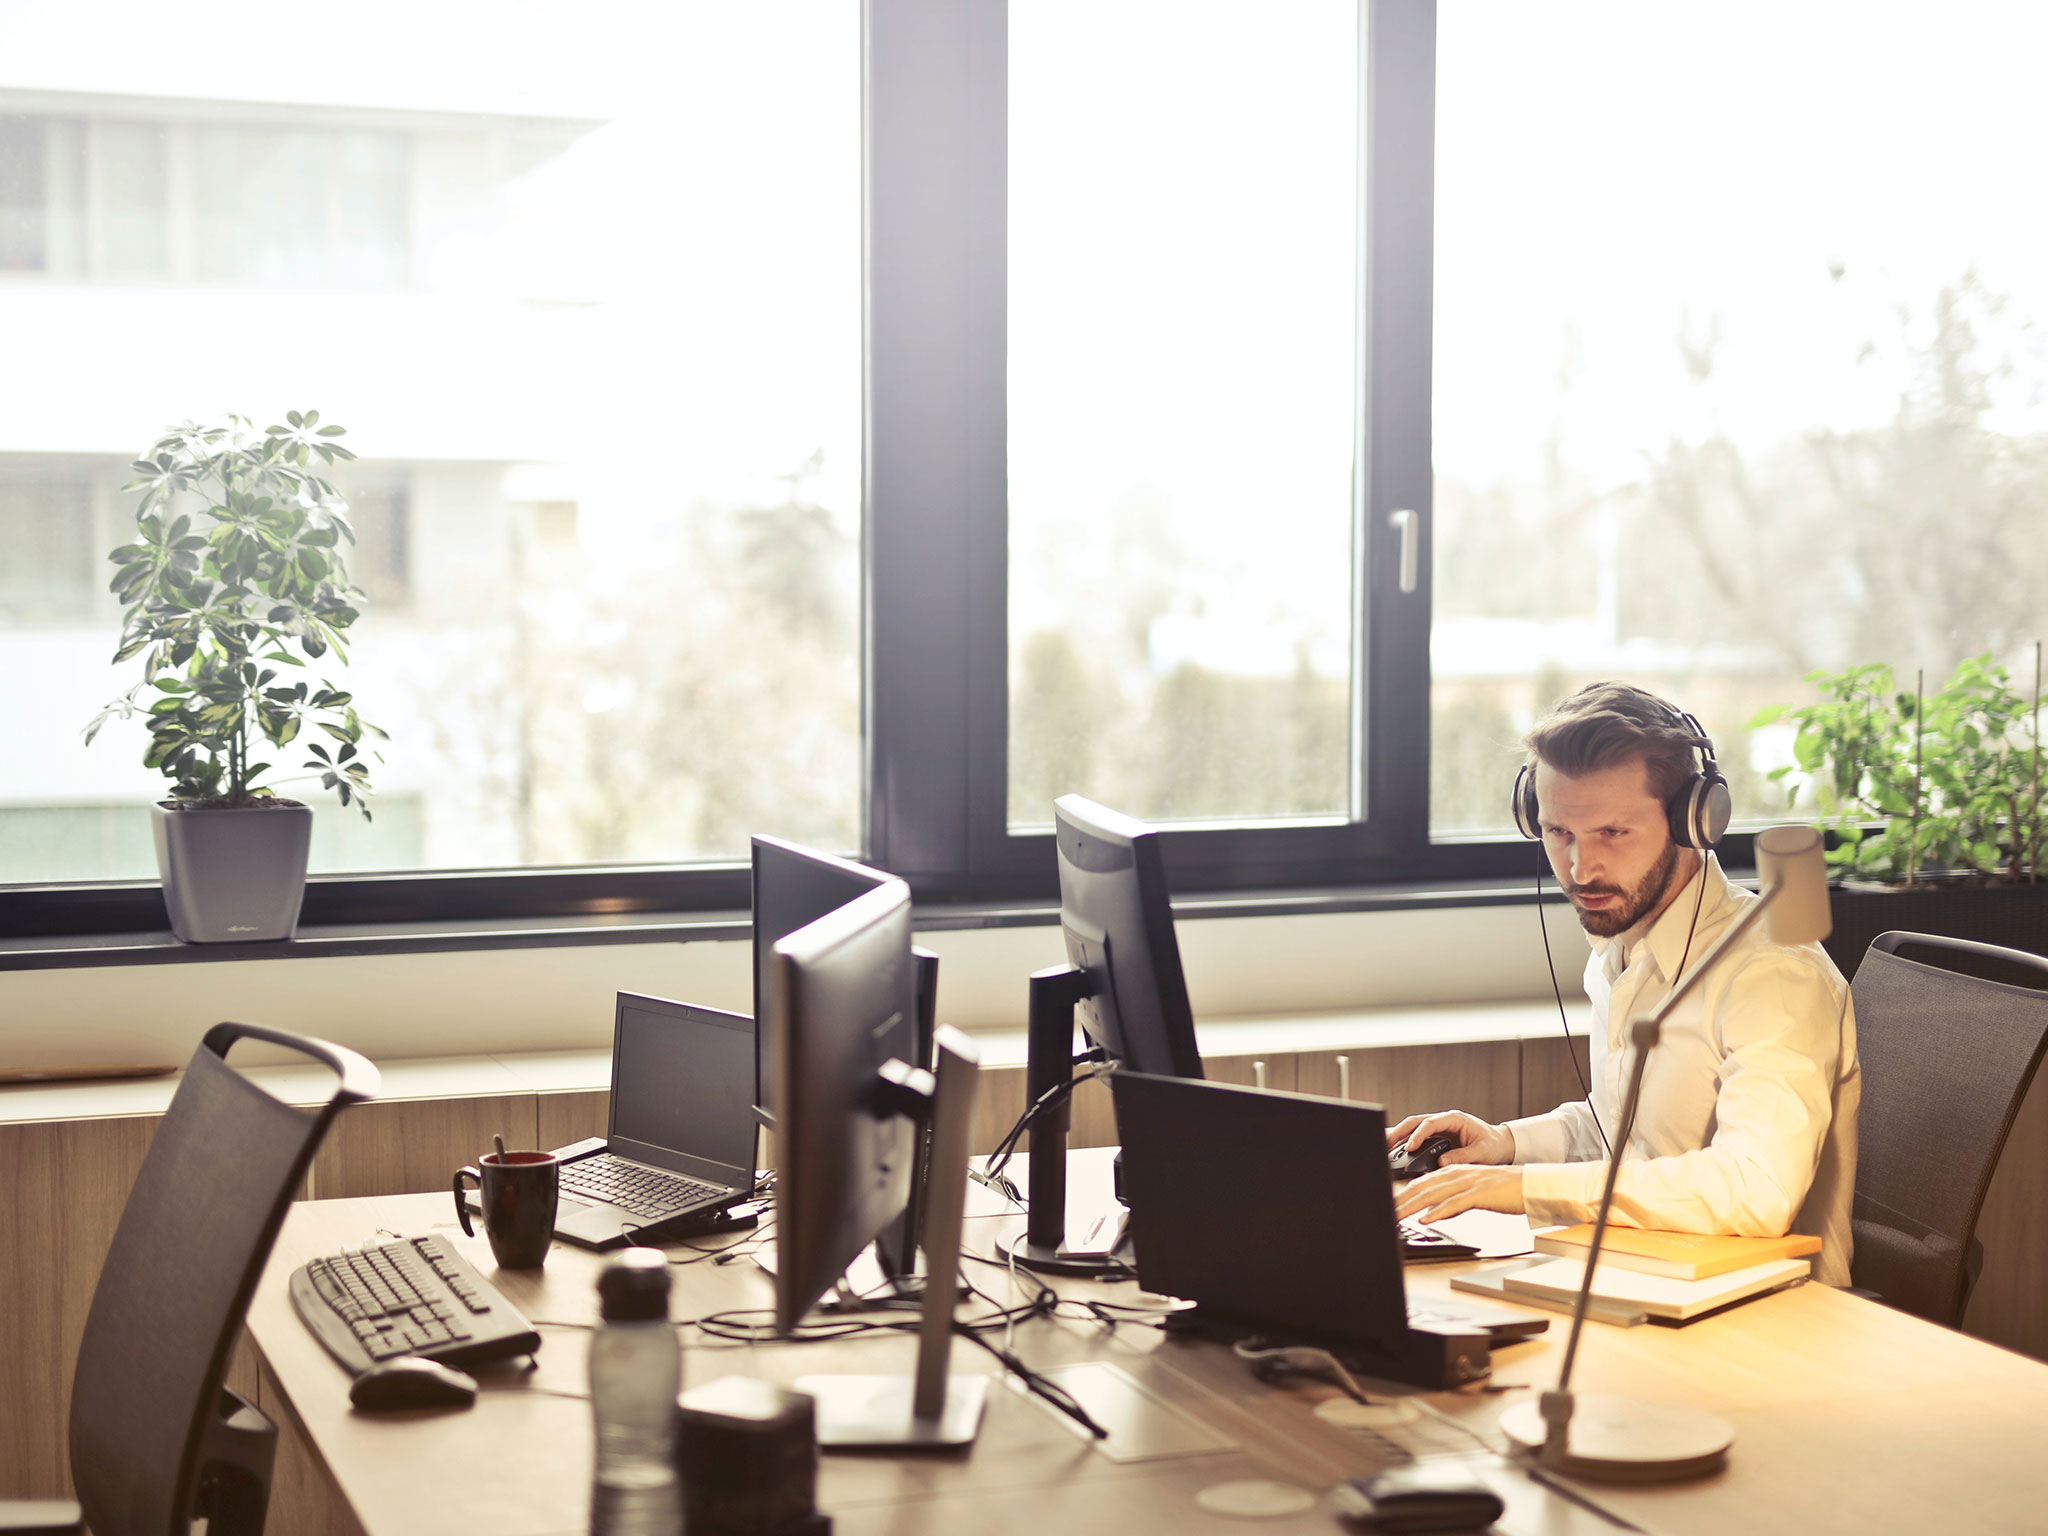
x=1747 y=1124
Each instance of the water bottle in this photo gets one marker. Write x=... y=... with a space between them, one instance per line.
x=635 y=1372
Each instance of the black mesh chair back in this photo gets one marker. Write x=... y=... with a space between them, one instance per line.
x=155 y=1436
x=1947 y=1058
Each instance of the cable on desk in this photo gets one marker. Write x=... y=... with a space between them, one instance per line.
x=1051 y=1099
x=756 y=1234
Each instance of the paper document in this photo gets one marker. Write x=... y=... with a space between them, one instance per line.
x=1496 y=1234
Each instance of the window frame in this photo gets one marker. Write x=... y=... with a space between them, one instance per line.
x=934 y=535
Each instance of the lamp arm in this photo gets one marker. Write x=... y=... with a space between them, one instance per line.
x=1643 y=1036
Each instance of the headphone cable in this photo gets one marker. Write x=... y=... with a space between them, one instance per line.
x=1563 y=1023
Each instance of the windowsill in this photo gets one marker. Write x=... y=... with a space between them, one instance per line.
x=73 y=951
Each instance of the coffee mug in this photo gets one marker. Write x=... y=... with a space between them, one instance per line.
x=519 y=1193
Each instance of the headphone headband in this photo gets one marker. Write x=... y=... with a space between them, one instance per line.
x=1697 y=811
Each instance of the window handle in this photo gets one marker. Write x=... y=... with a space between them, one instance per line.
x=1258 y=1074
x=1408 y=524
x=1343 y=1077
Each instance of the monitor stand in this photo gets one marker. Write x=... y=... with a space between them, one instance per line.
x=928 y=1409
x=1055 y=993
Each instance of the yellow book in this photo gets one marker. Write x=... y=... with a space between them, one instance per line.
x=1680 y=1255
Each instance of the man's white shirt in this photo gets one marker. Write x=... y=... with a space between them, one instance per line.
x=1748 y=1116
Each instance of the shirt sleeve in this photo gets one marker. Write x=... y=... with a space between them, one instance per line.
x=1567 y=1134
x=1778 y=1027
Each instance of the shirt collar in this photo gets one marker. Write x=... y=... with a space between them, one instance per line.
x=1669 y=933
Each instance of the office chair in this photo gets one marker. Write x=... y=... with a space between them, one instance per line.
x=1947 y=1057
x=156 y=1438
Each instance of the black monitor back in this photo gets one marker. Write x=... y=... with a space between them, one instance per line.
x=1118 y=927
x=793 y=886
x=842 y=1000
x=1273 y=1211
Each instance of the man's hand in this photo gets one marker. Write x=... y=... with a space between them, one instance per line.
x=1478 y=1141
x=1451 y=1190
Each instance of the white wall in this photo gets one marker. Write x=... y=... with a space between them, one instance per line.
x=498 y=1001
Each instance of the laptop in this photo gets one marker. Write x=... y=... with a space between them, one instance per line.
x=679 y=1148
x=1274 y=1214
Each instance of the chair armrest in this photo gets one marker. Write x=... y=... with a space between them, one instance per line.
x=41 y=1517
x=1857 y=1290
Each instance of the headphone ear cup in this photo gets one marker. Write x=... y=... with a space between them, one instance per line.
x=1528 y=820
x=1716 y=806
x=1699 y=812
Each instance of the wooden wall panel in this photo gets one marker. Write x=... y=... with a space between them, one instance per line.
x=62 y=1187
x=1483 y=1078
x=566 y=1117
x=1547 y=1076
x=1095 y=1112
x=412 y=1146
x=998 y=1101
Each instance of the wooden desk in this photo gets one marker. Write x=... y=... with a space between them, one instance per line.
x=1848 y=1417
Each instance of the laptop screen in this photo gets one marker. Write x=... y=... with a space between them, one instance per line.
x=683 y=1088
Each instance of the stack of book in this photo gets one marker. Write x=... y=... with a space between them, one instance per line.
x=1670 y=1277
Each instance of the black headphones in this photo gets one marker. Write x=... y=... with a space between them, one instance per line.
x=1698 y=809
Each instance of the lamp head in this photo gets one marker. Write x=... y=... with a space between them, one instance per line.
x=1789 y=858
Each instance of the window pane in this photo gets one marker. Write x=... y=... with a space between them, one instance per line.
x=592 y=318
x=134 y=212
x=49 y=570
x=1182 y=325
x=1736 y=368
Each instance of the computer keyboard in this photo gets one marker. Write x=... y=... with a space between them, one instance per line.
x=1422 y=1242
x=416 y=1296
x=645 y=1192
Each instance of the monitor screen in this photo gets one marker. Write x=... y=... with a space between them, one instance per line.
x=793 y=886
x=1118 y=927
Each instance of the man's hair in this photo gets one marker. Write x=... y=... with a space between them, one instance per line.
x=1606 y=724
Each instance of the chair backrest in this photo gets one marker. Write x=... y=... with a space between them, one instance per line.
x=192 y=1241
x=1947 y=1058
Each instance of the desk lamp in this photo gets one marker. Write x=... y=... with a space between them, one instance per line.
x=1619 y=1439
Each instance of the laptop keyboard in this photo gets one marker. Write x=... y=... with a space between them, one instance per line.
x=1421 y=1242
x=645 y=1192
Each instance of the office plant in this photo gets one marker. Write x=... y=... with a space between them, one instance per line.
x=235 y=585
x=1936 y=803
x=1944 y=786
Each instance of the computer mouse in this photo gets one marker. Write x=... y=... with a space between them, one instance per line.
x=410 y=1382
x=1404 y=1163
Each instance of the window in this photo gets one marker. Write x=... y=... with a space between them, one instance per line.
x=1737 y=364
x=1252 y=418
x=589 y=308
x=1164 y=657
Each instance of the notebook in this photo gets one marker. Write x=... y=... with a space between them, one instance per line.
x=1660 y=1296
x=1680 y=1255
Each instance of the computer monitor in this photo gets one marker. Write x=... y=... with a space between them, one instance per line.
x=841 y=997
x=1122 y=984
x=1118 y=927
x=795 y=886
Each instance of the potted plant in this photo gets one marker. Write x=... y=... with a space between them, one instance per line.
x=238 y=579
x=1937 y=803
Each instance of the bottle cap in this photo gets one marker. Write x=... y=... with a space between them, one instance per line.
x=634 y=1286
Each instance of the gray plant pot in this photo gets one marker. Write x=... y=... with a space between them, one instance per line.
x=233 y=875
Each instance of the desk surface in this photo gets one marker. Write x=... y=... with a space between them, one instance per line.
x=1848 y=1416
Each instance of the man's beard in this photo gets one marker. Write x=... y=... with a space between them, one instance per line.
x=1634 y=905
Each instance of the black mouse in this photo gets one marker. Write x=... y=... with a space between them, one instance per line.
x=1403 y=1163
x=410 y=1382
